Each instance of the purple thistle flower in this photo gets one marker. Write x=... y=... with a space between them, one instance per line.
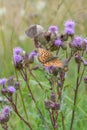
x=85 y=63
x=17 y=50
x=31 y=56
x=6 y=110
x=69 y=24
x=57 y=42
x=11 y=89
x=69 y=31
x=77 y=41
x=52 y=106
x=3 y=81
x=85 y=41
x=53 y=29
x=17 y=58
x=1 y=118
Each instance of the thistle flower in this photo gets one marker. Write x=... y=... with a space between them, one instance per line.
x=4 y=90
x=17 y=50
x=85 y=63
x=53 y=29
x=69 y=31
x=84 y=44
x=3 y=81
x=57 y=42
x=52 y=106
x=11 y=89
x=85 y=41
x=69 y=27
x=31 y=56
x=69 y=24
x=6 y=110
x=52 y=70
x=4 y=116
x=78 y=58
x=17 y=59
x=76 y=43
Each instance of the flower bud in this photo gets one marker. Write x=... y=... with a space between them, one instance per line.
x=52 y=97
x=47 y=104
x=4 y=91
x=78 y=58
x=17 y=85
x=57 y=105
x=52 y=106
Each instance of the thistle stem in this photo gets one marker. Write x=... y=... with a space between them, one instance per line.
x=75 y=97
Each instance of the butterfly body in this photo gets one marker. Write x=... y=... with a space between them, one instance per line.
x=47 y=58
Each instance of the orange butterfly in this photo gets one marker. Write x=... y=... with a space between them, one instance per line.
x=47 y=59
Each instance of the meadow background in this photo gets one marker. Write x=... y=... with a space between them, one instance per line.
x=15 y=17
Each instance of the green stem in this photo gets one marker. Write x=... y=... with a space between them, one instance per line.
x=22 y=97
x=75 y=98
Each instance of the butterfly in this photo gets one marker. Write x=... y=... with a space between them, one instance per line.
x=47 y=58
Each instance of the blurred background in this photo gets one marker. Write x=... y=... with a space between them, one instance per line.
x=17 y=15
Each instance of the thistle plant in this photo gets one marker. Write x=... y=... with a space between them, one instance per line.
x=52 y=56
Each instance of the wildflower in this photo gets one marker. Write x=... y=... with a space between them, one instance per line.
x=52 y=70
x=76 y=43
x=69 y=24
x=53 y=29
x=3 y=81
x=31 y=56
x=78 y=58
x=4 y=116
x=85 y=41
x=4 y=90
x=69 y=31
x=6 y=110
x=84 y=44
x=11 y=89
x=52 y=106
x=57 y=42
x=85 y=63
x=17 y=50
x=17 y=59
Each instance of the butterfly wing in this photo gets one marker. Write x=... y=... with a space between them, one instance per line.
x=43 y=55
x=47 y=59
x=55 y=62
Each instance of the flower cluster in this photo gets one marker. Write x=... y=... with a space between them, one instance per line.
x=8 y=86
x=4 y=116
x=21 y=59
